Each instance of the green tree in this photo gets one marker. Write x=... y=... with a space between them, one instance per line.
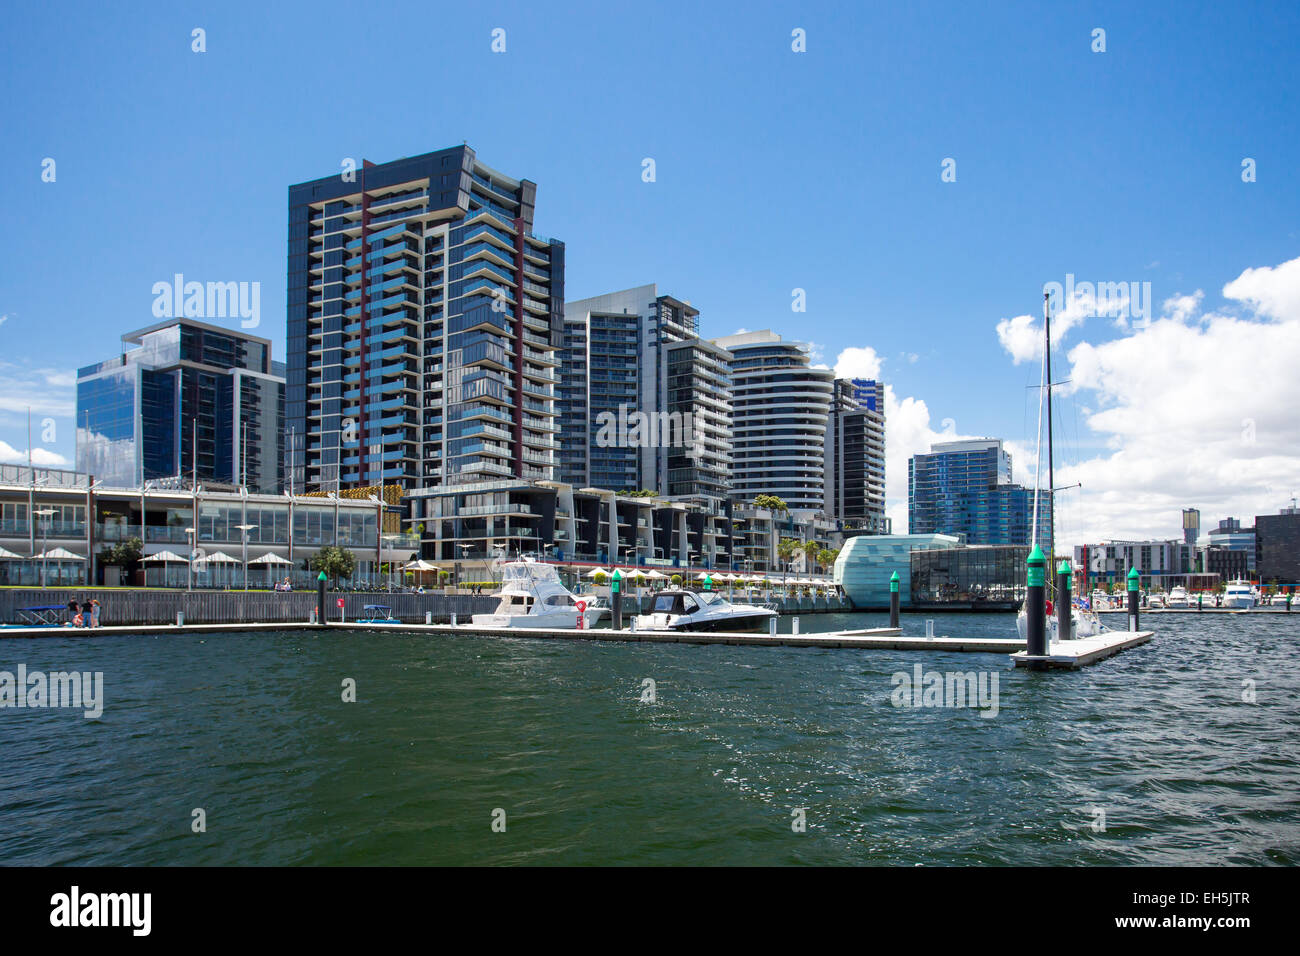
x=125 y=554
x=826 y=557
x=676 y=580
x=336 y=562
x=770 y=503
x=599 y=579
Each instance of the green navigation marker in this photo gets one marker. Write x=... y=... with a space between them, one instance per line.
x=1037 y=563
x=1134 y=579
x=708 y=582
x=1063 y=567
x=321 y=576
x=617 y=581
x=893 y=582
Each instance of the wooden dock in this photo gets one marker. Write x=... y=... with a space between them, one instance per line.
x=1071 y=655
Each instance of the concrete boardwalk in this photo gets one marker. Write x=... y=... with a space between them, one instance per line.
x=1071 y=655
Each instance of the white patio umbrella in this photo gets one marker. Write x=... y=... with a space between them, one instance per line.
x=270 y=558
x=7 y=555
x=595 y=571
x=57 y=554
x=164 y=558
x=216 y=557
x=657 y=576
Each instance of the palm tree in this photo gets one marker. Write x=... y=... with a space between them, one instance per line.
x=786 y=549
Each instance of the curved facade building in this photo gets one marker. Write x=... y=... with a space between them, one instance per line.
x=780 y=406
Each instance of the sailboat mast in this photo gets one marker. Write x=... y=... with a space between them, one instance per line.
x=1051 y=470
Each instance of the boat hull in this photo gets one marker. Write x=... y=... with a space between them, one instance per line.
x=738 y=624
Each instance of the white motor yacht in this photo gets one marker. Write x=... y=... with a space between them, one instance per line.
x=531 y=595
x=681 y=609
x=1177 y=597
x=1240 y=594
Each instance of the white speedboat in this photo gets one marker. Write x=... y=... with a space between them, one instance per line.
x=1277 y=600
x=1101 y=601
x=531 y=595
x=598 y=608
x=680 y=609
x=1240 y=594
x=1177 y=597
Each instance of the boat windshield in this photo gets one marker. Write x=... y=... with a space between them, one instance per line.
x=528 y=572
x=711 y=597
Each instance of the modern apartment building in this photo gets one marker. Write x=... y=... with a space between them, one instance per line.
x=633 y=360
x=854 y=454
x=1229 y=536
x=476 y=523
x=184 y=398
x=780 y=406
x=425 y=321
x=964 y=488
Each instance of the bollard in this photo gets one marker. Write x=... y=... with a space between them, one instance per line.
x=1064 y=612
x=1133 y=584
x=616 y=600
x=453 y=618
x=320 y=599
x=929 y=628
x=794 y=626
x=771 y=626
x=180 y=618
x=428 y=617
x=633 y=624
x=1035 y=606
x=893 y=600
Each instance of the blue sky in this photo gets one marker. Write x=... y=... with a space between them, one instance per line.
x=775 y=170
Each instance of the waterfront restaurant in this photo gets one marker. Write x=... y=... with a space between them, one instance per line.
x=59 y=527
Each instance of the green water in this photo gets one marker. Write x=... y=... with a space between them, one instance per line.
x=446 y=730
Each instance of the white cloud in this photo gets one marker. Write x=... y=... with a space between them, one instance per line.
x=855 y=362
x=1274 y=292
x=42 y=457
x=1194 y=410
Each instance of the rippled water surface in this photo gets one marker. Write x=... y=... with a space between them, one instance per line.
x=251 y=728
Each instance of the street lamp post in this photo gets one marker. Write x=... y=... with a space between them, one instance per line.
x=245 y=528
x=464 y=558
x=45 y=514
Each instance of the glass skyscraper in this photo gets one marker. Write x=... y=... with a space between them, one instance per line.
x=425 y=320
x=965 y=488
x=184 y=396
